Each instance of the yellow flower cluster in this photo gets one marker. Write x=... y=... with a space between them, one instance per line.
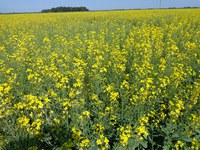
x=125 y=135
x=141 y=130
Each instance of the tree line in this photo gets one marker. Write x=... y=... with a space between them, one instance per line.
x=65 y=9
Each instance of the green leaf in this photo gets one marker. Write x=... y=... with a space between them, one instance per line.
x=187 y=139
x=144 y=144
x=175 y=136
x=166 y=147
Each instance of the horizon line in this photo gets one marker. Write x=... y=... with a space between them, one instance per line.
x=150 y=8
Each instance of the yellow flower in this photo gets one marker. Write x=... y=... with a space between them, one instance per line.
x=99 y=128
x=94 y=97
x=114 y=96
x=76 y=133
x=109 y=88
x=195 y=144
x=35 y=127
x=99 y=142
x=113 y=120
x=46 y=40
x=23 y=121
x=179 y=145
x=141 y=130
x=125 y=135
x=47 y=100
x=56 y=120
x=9 y=70
x=124 y=139
x=106 y=141
x=7 y=89
x=1 y=88
x=30 y=76
x=143 y=120
x=52 y=93
x=86 y=113
x=85 y=143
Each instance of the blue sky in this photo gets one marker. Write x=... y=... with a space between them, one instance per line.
x=38 y=5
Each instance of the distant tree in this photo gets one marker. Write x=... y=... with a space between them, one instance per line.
x=65 y=9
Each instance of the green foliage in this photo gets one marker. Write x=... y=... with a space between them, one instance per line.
x=65 y=9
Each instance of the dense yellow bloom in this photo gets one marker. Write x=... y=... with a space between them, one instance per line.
x=143 y=120
x=179 y=145
x=195 y=144
x=114 y=96
x=5 y=88
x=125 y=135
x=141 y=130
x=100 y=80
x=176 y=109
x=23 y=121
x=85 y=143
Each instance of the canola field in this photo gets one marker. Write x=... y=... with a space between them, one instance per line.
x=100 y=80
